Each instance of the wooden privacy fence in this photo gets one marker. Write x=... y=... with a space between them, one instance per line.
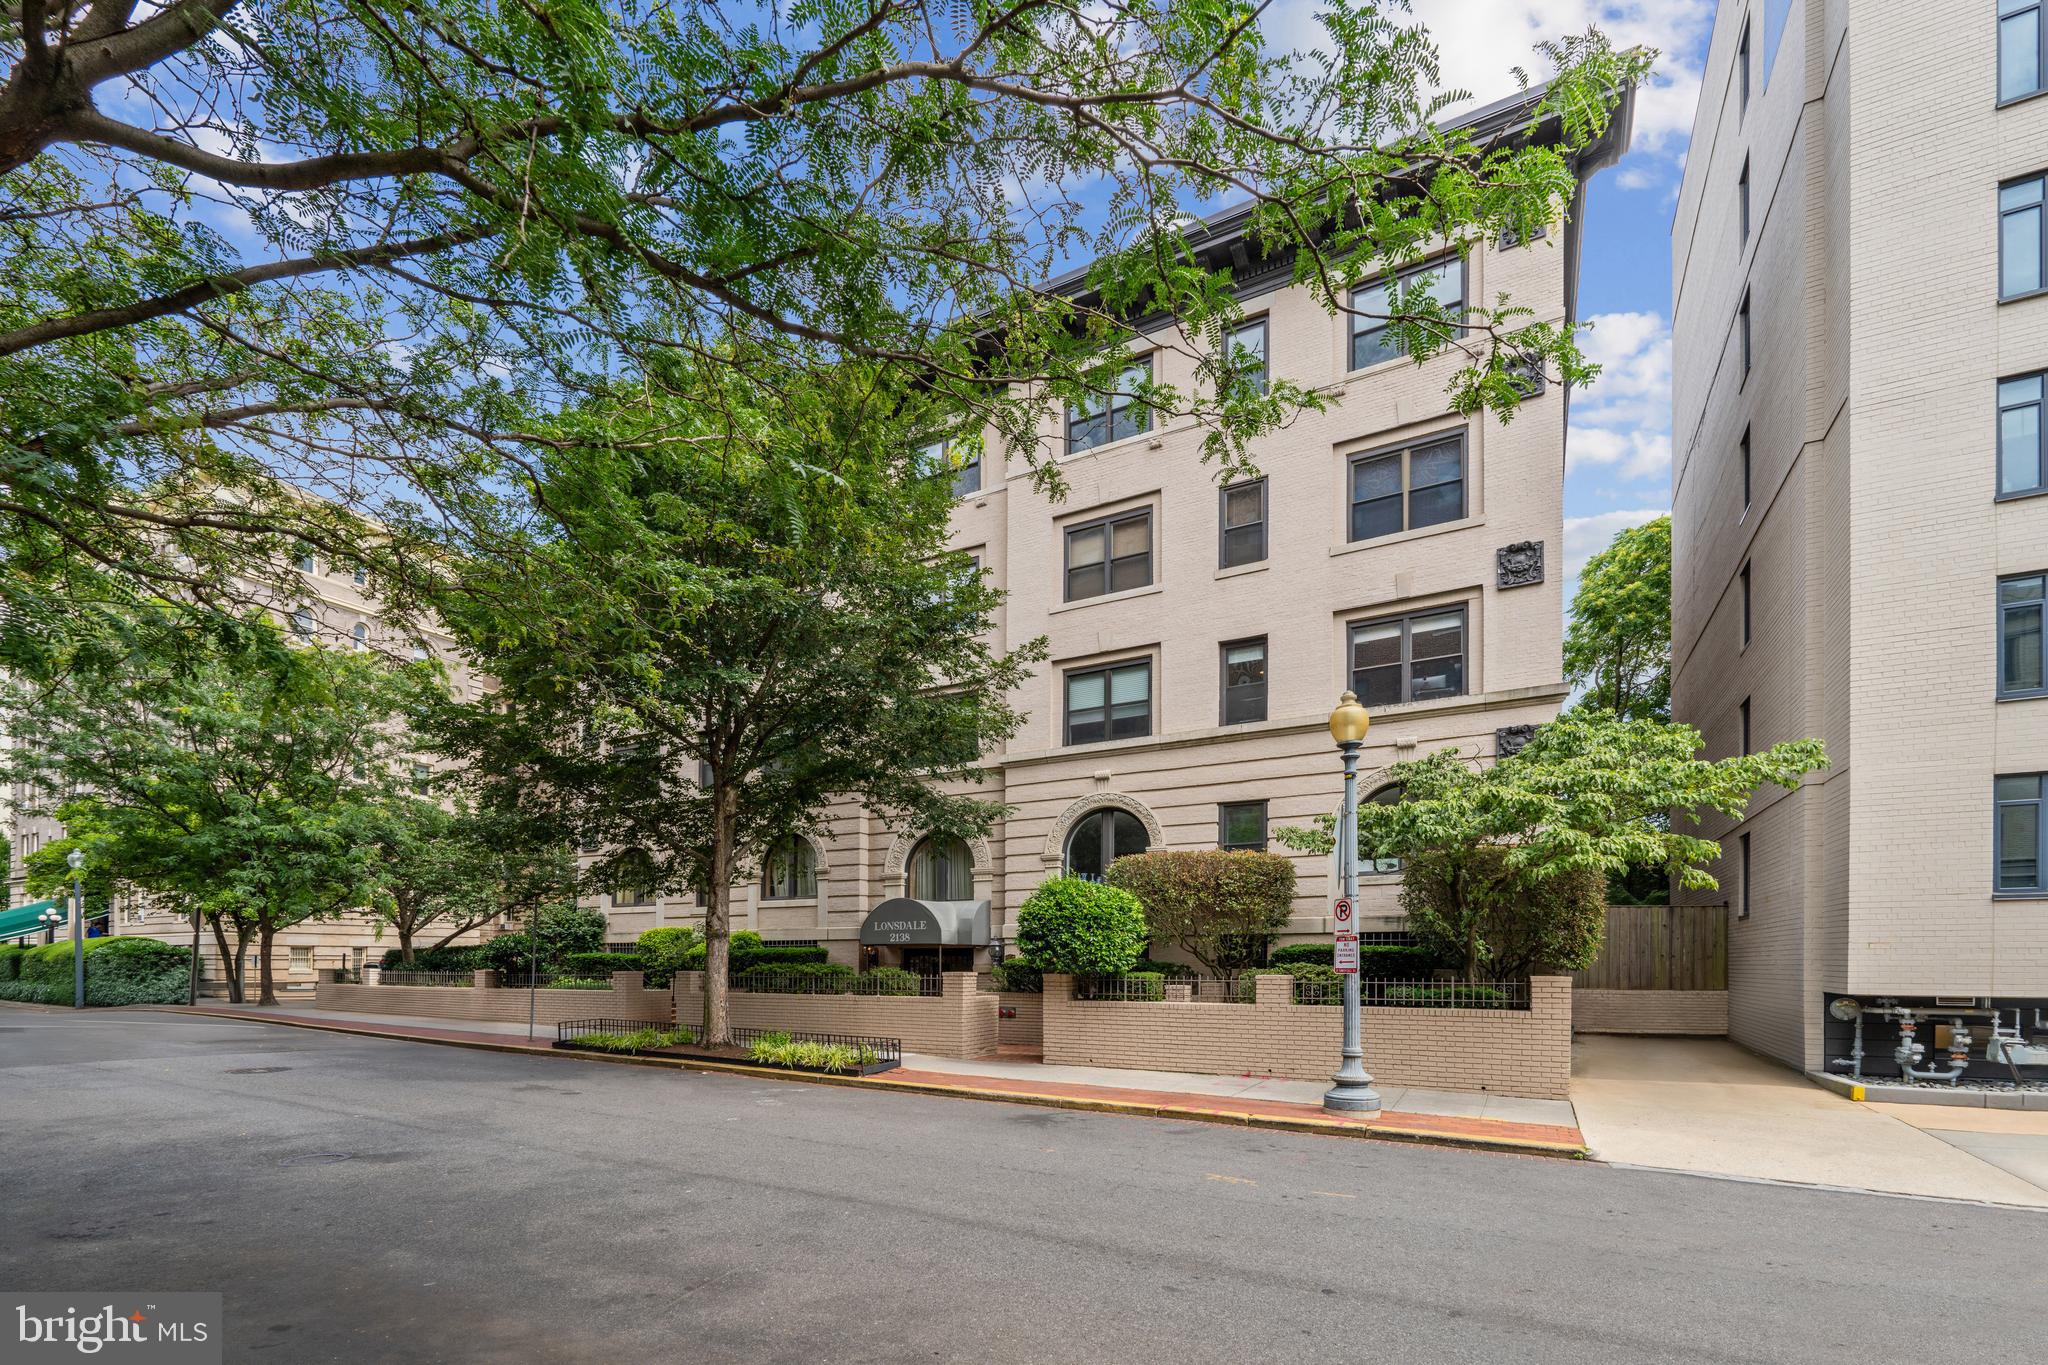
x=1661 y=948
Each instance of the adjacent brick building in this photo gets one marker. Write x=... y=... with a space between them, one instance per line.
x=1857 y=528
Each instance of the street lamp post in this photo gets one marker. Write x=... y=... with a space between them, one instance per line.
x=76 y=860
x=1351 y=1091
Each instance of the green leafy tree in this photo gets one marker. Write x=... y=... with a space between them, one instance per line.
x=47 y=871
x=371 y=248
x=1590 y=794
x=1617 y=644
x=1222 y=908
x=733 y=617
x=237 y=775
x=443 y=872
x=1070 y=924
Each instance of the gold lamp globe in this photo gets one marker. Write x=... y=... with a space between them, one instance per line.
x=1349 y=722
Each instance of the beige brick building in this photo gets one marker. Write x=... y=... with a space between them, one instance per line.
x=1857 y=533
x=1201 y=635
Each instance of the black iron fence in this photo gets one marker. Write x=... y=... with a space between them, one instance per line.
x=571 y=1029
x=881 y=981
x=888 y=1052
x=1242 y=989
x=390 y=978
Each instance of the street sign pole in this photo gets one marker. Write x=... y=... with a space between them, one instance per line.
x=1351 y=1091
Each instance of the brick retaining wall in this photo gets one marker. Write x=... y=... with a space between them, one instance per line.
x=1027 y=1029
x=960 y=1023
x=627 y=999
x=1687 y=1013
x=1509 y=1052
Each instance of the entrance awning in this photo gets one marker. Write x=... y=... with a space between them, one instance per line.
x=25 y=919
x=905 y=923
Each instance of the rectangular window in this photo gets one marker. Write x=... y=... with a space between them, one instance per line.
x=1745 y=724
x=1109 y=703
x=1112 y=416
x=1241 y=824
x=2022 y=663
x=1109 y=555
x=1407 y=489
x=1742 y=324
x=1745 y=604
x=1745 y=470
x=2021 y=464
x=302 y=959
x=1742 y=891
x=1243 y=515
x=2016 y=832
x=1742 y=198
x=1247 y=353
x=2020 y=240
x=2022 y=56
x=1443 y=281
x=965 y=471
x=1244 y=681
x=1742 y=71
x=1409 y=658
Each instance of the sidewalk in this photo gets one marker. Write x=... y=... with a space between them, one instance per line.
x=1452 y=1118
x=1706 y=1106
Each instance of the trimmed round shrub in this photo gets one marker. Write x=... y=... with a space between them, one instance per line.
x=665 y=951
x=889 y=981
x=1222 y=907
x=1082 y=927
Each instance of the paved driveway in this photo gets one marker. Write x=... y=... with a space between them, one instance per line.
x=1705 y=1105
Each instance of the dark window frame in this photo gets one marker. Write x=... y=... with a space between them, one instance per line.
x=1742 y=322
x=1742 y=194
x=1224 y=528
x=2039 y=403
x=1404 y=454
x=911 y=865
x=1116 y=405
x=2039 y=605
x=643 y=896
x=1746 y=620
x=1748 y=497
x=1406 y=621
x=1105 y=838
x=1742 y=61
x=1067 y=679
x=769 y=884
x=1743 y=711
x=1224 y=684
x=1107 y=525
x=1743 y=883
x=2013 y=9
x=1261 y=325
x=1364 y=327
x=2039 y=886
x=2039 y=208
x=1223 y=809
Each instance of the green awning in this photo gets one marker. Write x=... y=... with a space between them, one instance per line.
x=25 y=919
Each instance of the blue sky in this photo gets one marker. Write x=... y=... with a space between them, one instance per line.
x=1618 y=457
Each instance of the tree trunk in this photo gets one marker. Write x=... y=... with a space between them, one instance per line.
x=404 y=927
x=230 y=959
x=269 y=933
x=718 y=920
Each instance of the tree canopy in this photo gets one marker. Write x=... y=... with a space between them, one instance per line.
x=734 y=616
x=364 y=251
x=1617 y=644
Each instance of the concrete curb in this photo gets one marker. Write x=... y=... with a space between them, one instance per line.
x=1330 y=1128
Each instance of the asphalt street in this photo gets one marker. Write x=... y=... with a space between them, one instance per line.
x=369 y=1201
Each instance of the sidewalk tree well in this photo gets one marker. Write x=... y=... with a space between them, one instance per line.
x=229 y=771
x=1589 y=794
x=1221 y=906
x=1070 y=924
x=730 y=617
x=255 y=246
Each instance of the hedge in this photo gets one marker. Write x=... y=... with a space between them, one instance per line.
x=1313 y=974
x=10 y=961
x=1086 y=928
x=1379 y=961
x=446 y=958
x=120 y=970
x=603 y=964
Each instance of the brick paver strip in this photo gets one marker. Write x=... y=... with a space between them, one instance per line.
x=1545 y=1138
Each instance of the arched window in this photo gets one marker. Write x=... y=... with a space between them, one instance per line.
x=360 y=633
x=1100 y=838
x=634 y=879
x=1386 y=796
x=790 y=871
x=941 y=870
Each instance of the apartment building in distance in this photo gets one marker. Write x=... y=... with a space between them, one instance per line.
x=1200 y=635
x=335 y=604
x=1860 y=332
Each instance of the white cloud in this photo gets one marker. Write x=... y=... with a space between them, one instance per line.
x=1585 y=537
x=1622 y=420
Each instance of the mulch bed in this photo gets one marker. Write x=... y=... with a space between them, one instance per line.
x=727 y=1055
